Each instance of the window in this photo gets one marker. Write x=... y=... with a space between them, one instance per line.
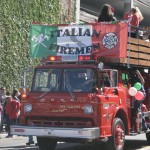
x=109 y=78
x=64 y=80
x=46 y=80
x=78 y=80
x=105 y=79
x=114 y=78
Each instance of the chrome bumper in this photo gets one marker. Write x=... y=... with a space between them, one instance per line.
x=80 y=133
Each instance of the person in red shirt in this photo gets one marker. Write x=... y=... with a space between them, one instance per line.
x=134 y=17
x=12 y=109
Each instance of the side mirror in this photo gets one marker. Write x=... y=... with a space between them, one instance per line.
x=115 y=91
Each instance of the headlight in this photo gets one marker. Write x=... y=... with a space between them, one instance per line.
x=28 y=108
x=88 y=109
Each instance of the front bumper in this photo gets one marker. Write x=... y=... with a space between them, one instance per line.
x=79 y=133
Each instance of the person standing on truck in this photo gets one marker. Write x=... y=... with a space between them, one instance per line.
x=106 y=14
x=134 y=16
x=12 y=109
x=134 y=77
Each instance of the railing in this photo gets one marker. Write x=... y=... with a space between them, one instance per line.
x=138 y=50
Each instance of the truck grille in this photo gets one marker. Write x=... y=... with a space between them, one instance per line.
x=62 y=122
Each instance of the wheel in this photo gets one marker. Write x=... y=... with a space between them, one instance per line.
x=148 y=137
x=117 y=140
x=45 y=143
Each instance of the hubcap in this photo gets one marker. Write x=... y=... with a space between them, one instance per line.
x=119 y=136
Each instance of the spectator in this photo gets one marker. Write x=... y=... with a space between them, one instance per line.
x=134 y=16
x=12 y=109
x=2 y=95
x=16 y=95
x=2 y=101
x=5 y=116
x=1 y=123
x=106 y=14
x=135 y=76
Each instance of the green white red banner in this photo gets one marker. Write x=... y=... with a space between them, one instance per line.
x=101 y=39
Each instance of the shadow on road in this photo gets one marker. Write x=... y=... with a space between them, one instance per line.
x=129 y=145
x=135 y=144
x=21 y=147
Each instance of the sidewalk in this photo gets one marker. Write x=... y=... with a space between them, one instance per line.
x=3 y=134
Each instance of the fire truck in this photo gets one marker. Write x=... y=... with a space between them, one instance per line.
x=81 y=93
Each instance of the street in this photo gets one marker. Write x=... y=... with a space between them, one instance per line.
x=18 y=143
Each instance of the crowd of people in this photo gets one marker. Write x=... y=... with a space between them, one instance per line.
x=10 y=105
x=10 y=109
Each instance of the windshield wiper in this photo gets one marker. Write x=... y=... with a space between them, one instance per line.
x=43 y=94
x=69 y=89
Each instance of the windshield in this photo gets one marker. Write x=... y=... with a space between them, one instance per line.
x=64 y=80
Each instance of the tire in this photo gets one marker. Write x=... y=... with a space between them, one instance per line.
x=148 y=137
x=46 y=143
x=117 y=140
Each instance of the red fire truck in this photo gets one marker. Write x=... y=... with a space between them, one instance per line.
x=79 y=95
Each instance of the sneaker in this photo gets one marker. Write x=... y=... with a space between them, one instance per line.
x=29 y=143
x=132 y=130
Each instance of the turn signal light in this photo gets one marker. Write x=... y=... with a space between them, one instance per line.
x=24 y=94
x=84 y=57
x=54 y=58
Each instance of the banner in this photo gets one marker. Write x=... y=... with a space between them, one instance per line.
x=101 y=39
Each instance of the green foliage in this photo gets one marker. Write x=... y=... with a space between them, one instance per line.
x=16 y=17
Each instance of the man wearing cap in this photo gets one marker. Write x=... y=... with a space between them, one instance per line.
x=12 y=109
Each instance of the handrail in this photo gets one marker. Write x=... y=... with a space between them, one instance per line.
x=139 y=36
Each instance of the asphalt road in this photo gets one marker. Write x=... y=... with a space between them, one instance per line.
x=18 y=143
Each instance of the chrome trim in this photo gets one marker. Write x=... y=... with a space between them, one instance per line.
x=80 y=133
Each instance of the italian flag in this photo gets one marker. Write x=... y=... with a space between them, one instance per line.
x=101 y=39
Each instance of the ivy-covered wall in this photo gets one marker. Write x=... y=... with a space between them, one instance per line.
x=15 y=19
